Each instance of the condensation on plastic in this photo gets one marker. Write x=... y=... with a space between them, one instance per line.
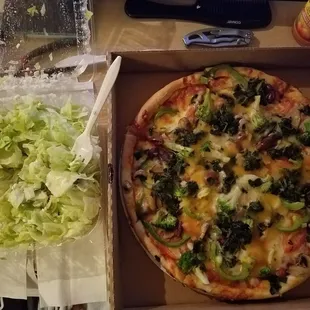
x=59 y=22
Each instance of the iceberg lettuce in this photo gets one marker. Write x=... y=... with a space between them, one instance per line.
x=46 y=194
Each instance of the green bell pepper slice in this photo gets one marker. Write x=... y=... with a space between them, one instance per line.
x=241 y=80
x=224 y=272
x=165 y=110
x=189 y=213
x=149 y=227
x=293 y=205
x=298 y=222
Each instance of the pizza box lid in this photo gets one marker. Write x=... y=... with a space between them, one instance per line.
x=134 y=280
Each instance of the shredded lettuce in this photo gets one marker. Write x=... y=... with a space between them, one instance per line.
x=46 y=194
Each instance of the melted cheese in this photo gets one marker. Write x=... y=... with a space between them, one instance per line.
x=168 y=122
x=191 y=226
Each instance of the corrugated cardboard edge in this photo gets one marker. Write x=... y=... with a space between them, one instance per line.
x=111 y=214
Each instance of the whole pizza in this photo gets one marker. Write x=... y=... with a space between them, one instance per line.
x=215 y=179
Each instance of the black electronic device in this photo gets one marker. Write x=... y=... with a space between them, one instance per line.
x=225 y=13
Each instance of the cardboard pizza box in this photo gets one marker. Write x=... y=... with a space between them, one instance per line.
x=135 y=282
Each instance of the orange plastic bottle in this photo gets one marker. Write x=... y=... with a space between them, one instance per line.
x=301 y=28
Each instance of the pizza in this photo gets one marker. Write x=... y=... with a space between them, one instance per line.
x=215 y=180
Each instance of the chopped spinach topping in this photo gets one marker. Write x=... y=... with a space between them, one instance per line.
x=163 y=189
x=305 y=190
x=228 y=182
x=236 y=234
x=292 y=151
x=255 y=183
x=229 y=100
x=224 y=121
x=176 y=165
x=187 y=137
x=287 y=187
x=190 y=189
x=256 y=87
x=165 y=184
x=252 y=160
x=287 y=128
x=305 y=110
x=274 y=280
x=304 y=138
x=256 y=206
x=216 y=165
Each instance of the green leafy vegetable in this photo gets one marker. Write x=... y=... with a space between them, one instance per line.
x=189 y=189
x=229 y=201
x=43 y=195
x=165 y=220
x=204 y=110
x=88 y=14
x=187 y=137
x=170 y=244
x=256 y=206
x=192 y=259
x=292 y=151
x=183 y=151
x=255 y=87
x=206 y=147
x=240 y=79
x=274 y=280
x=165 y=110
x=222 y=121
x=287 y=128
x=304 y=138
x=32 y=11
x=252 y=160
x=287 y=187
x=258 y=120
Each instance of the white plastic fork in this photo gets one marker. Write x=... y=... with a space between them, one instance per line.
x=83 y=148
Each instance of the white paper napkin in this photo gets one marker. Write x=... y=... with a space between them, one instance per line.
x=74 y=273
x=13 y=281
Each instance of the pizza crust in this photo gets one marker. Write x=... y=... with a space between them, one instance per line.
x=151 y=106
x=168 y=265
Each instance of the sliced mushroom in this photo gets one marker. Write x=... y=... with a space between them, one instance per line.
x=157 y=168
x=140 y=173
x=204 y=229
x=184 y=123
x=242 y=124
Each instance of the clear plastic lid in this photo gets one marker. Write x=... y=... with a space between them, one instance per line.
x=41 y=34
